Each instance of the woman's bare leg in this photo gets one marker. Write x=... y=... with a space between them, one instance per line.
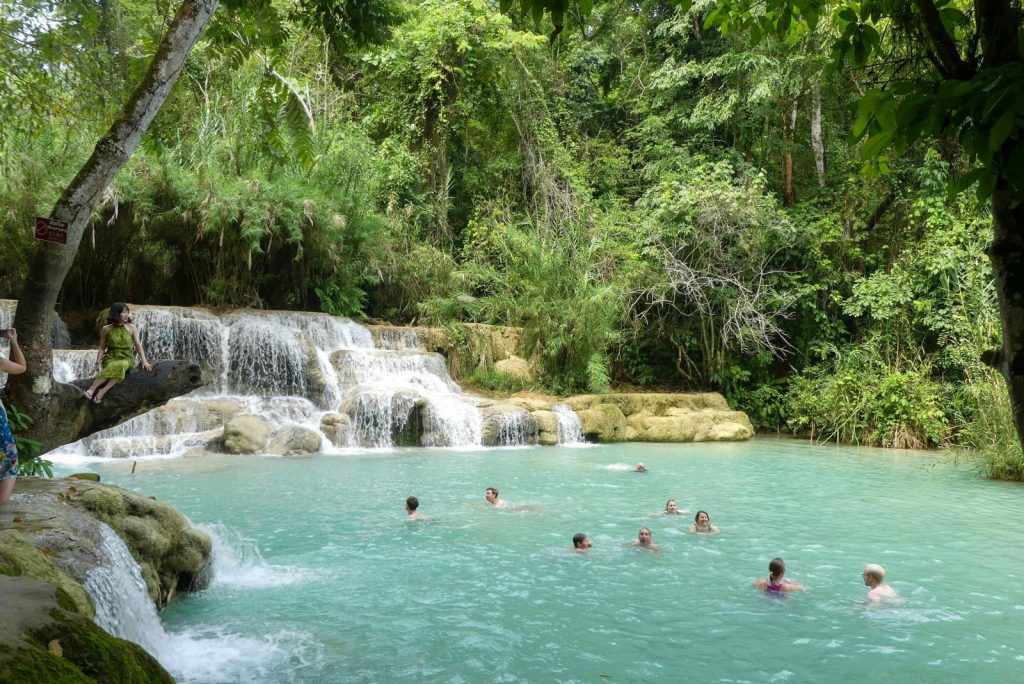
x=6 y=488
x=104 y=389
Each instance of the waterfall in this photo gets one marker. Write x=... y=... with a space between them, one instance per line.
x=292 y=368
x=203 y=654
x=570 y=430
x=123 y=605
x=513 y=429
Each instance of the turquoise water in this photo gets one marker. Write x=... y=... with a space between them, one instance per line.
x=321 y=579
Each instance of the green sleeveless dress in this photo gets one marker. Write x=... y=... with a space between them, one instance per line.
x=117 y=359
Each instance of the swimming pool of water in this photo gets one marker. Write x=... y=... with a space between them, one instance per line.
x=319 y=577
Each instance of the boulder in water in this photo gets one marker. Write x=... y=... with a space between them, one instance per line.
x=246 y=434
x=337 y=427
x=547 y=427
x=294 y=440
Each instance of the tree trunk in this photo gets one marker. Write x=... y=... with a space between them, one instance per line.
x=1007 y=254
x=816 y=141
x=139 y=392
x=789 y=128
x=35 y=392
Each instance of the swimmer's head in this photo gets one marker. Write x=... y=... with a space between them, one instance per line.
x=875 y=573
x=777 y=568
x=412 y=503
x=491 y=494
x=644 y=535
x=641 y=468
x=580 y=541
x=671 y=507
x=702 y=518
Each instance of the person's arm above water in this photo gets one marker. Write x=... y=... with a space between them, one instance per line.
x=788 y=586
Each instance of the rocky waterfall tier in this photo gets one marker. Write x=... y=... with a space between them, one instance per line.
x=297 y=382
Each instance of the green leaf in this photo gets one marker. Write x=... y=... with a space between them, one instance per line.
x=1002 y=130
x=875 y=144
x=538 y=12
x=847 y=14
x=586 y=7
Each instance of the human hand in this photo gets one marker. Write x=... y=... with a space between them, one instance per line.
x=146 y=365
x=9 y=333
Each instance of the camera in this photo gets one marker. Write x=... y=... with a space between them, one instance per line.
x=4 y=334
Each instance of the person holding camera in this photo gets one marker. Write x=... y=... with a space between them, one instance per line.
x=115 y=353
x=8 y=450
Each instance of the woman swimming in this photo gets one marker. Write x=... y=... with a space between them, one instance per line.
x=776 y=583
x=702 y=524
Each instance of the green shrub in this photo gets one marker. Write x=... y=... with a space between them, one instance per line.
x=862 y=398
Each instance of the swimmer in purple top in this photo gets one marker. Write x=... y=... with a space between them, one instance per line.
x=776 y=583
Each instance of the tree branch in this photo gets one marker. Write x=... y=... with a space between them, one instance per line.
x=945 y=48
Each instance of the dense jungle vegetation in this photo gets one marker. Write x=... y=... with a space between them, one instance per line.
x=659 y=204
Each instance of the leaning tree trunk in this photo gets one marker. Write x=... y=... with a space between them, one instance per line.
x=1007 y=254
x=35 y=392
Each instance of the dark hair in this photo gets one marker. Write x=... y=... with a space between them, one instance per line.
x=776 y=567
x=696 y=517
x=412 y=503
x=116 y=309
x=578 y=539
x=492 y=489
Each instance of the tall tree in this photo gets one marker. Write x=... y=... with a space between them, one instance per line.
x=248 y=25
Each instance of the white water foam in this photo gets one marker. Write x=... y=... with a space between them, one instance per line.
x=203 y=654
x=570 y=430
x=236 y=563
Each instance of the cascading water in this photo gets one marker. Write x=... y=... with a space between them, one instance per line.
x=514 y=429
x=124 y=609
x=292 y=368
x=570 y=430
x=123 y=606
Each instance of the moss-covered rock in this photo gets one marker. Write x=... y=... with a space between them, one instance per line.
x=696 y=417
x=61 y=518
x=43 y=641
x=19 y=557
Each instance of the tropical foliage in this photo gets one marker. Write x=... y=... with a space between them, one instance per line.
x=716 y=195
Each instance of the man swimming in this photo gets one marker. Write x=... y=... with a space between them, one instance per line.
x=580 y=542
x=640 y=468
x=874 y=577
x=491 y=494
x=645 y=541
x=411 y=504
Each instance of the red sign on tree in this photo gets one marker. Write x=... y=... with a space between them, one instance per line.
x=51 y=230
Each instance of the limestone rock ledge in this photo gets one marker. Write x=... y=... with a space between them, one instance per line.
x=44 y=637
x=650 y=417
x=50 y=530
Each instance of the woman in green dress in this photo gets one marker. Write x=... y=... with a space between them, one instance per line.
x=115 y=354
